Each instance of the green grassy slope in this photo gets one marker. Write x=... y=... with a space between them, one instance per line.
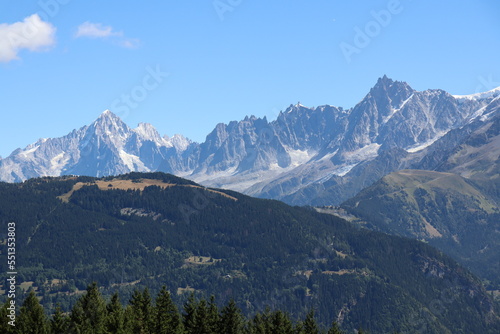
x=446 y=210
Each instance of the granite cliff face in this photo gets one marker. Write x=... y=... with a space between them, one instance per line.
x=318 y=156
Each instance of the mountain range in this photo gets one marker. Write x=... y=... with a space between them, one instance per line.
x=417 y=164
x=315 y=156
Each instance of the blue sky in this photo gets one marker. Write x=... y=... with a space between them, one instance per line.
x=185 y=66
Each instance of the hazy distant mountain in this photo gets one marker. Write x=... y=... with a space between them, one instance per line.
x=321 y=155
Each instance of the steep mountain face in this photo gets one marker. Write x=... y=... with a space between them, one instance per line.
x=455 y=214
x=425 y=128
x=477 y=158
x=155 y=229
x=106 y=147
x=316 y=156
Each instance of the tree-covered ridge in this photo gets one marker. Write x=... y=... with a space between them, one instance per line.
x=456 y=215
x=257 y=252
x=93 y=314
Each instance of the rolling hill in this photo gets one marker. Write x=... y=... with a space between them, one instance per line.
x=448 y=211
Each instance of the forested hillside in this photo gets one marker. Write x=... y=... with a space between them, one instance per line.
x=93 y=314
x=449 y=212
x=153 y=230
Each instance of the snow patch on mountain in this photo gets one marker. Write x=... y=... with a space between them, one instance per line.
x=367 y=152
x=133 y=162
x=420 y=147
x=479 y=96
x=394 y=111
x=178 y=141
x=58 y=163
x=147 y=132
x=342 y=171
x=299 y=157
x=29 y=152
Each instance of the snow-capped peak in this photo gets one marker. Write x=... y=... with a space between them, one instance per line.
x=148 y=132
x=479 y=96
x=107 y=118
x=107 y=114
x=178 y=141
x=111 y=126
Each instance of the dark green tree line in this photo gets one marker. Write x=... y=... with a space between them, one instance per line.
x=91 y=314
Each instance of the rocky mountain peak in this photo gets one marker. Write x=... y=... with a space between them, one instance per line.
x=298 y=153
x=178 y=141
x=384 y=81
x=388 y=89
x=107 y=116
x=110 y=125
x=148 y=132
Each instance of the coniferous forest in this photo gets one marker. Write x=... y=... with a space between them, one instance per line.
x=150 y=230
x=145 y=314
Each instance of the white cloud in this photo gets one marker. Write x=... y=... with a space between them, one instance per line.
x=32 y=34
x=130 y=43
x=96 y=30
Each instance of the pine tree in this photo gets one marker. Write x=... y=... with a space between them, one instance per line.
x=189 y=315
x=88 y=316
x=148 y=311
x=136 y=316
x=267 y=318
x=310 y=326
x=201 y=319
x=335 y=329
x=231 y=320
x=58 y=323
x=280 y=323
x=142 y=312
x=167 y=316
x=128 y=319
x=31 y=319
x=213 y=315
x=257 y=325
x=115 y=315
x=299 y=328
